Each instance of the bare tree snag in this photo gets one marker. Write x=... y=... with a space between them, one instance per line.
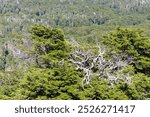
x=108 y=69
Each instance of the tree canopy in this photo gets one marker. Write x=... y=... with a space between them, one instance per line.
x=62 y=71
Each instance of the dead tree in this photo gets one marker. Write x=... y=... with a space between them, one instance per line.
x=107 y=68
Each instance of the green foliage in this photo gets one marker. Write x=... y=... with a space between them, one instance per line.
x=9 y=81
x=101 y=90
x=140 y=87
x=55 y=77
x=132 y=43
x=49 y=83
x=123 y=41
x=49 y=44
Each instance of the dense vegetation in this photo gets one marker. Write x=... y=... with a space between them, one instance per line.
x=75 y=49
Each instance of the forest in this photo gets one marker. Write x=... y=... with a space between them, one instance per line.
x=75 y=50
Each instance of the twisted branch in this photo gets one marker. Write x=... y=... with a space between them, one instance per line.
x=108 y=69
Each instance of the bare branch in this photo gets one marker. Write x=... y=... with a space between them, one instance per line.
x=108 y=69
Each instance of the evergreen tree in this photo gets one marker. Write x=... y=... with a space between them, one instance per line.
x=132 y=43
x=55 y=76
x=50 y=46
